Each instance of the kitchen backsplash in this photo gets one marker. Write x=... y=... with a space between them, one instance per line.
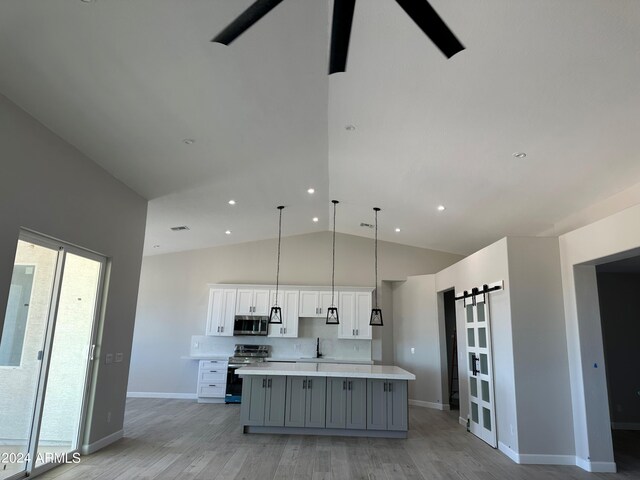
x=304 y=346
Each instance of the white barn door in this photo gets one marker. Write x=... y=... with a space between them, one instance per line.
x=480 y=370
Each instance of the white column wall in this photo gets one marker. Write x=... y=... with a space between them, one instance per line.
x=611 y=238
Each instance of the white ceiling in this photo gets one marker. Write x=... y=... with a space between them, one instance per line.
x=125 y=81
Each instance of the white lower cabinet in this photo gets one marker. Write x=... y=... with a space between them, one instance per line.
x=354 y=309
x=288 y=301
x=212 y=380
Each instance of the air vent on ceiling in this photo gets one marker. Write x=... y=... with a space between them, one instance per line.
x=180 y=228
x=368 y=225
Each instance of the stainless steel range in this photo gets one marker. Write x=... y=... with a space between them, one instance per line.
x=243 y=355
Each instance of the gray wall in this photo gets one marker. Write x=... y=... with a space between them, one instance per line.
x=543 y=393
x=415 y=326
x=618 y=293
x=172 y=304
x=49 y=187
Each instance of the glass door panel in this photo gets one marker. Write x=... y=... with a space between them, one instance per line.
x=21 y=346
x=64 y=396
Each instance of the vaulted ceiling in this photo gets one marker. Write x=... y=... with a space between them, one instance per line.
x=127 y=81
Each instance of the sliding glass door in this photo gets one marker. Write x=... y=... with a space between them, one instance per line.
x=46 y=352
x=21 y=348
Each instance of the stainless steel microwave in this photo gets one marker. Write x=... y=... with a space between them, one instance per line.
x=250 y=325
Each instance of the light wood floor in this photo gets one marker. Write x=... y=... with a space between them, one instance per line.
x=180 y=439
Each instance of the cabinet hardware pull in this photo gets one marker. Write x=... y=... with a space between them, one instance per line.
x=344 y=385
x=285 y=329
x=350 y=384
x=474 y=363
x=222 y=328
x=390 y=386
x=212 y=385
x=304 y=384
x=357 y=332
x=309 y=384
x=385 y=386
x=269 y=383
x=264 y=382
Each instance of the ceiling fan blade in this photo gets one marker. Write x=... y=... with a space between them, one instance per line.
x=247 y=18
x=432 y=25
x=340 y=33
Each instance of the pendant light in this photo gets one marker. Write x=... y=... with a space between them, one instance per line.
x=332 y=311
x=376 y=312
x=275 y=316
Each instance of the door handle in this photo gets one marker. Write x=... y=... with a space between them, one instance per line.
x=269 y=383
x=385 y=386
x=222 y=328
x=353 y=332
x=264 y=382
x=390 y=387
x=285 y=329
x=357 y=332
x=350 y=384
x=304 y=384
x=309 y=384
x=92 y=351
x=344 y=384
x=474 y=362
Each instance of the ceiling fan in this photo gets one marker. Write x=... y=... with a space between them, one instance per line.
x=419 y=10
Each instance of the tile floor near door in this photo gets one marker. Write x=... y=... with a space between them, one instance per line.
x=180 y=439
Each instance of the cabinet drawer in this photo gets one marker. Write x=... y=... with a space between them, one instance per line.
x=220 y=365
x=211 y=390
x=212 y=376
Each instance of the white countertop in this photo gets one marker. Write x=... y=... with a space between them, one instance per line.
x=300 y=369
x=205 y=357
x=320 y=360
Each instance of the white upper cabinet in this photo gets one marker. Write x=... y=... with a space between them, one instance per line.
x=315 y=303
x=354 y=309
x=221 y=312
x=288 y=301
x=252 y=302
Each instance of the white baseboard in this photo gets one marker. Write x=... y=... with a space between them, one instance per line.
x=512 y=454
x=625 y=426
x=462 y=421
x=88 y=449
x=181 y=396
x=543 y=459
x=434 y=405
x=596 y=467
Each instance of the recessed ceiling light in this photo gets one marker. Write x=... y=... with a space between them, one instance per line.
x=350 y=128
x=188 y=141
x=228 y=232
x=519 y=154
x=397 y=230
x=179 y=228
x=232 y=202
x=311 y=191
x=155 y=246
x=441 y=208
x=315 y=219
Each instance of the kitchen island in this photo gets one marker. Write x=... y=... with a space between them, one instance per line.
x=325 y=399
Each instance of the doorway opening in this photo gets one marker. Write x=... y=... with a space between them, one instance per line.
x=46 y=353
x=452 y=348
x=618 y=284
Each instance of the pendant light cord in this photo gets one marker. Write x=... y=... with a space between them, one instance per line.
x=279 y=242
x=375 y=294
x=333 y=253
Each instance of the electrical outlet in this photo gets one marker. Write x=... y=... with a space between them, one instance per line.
x=413 y=350
x=108 y=358
x=119 y=357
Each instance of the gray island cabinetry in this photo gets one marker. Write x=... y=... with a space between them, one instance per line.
x=325 y=399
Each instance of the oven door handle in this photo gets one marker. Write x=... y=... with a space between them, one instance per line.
x=239 y=365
